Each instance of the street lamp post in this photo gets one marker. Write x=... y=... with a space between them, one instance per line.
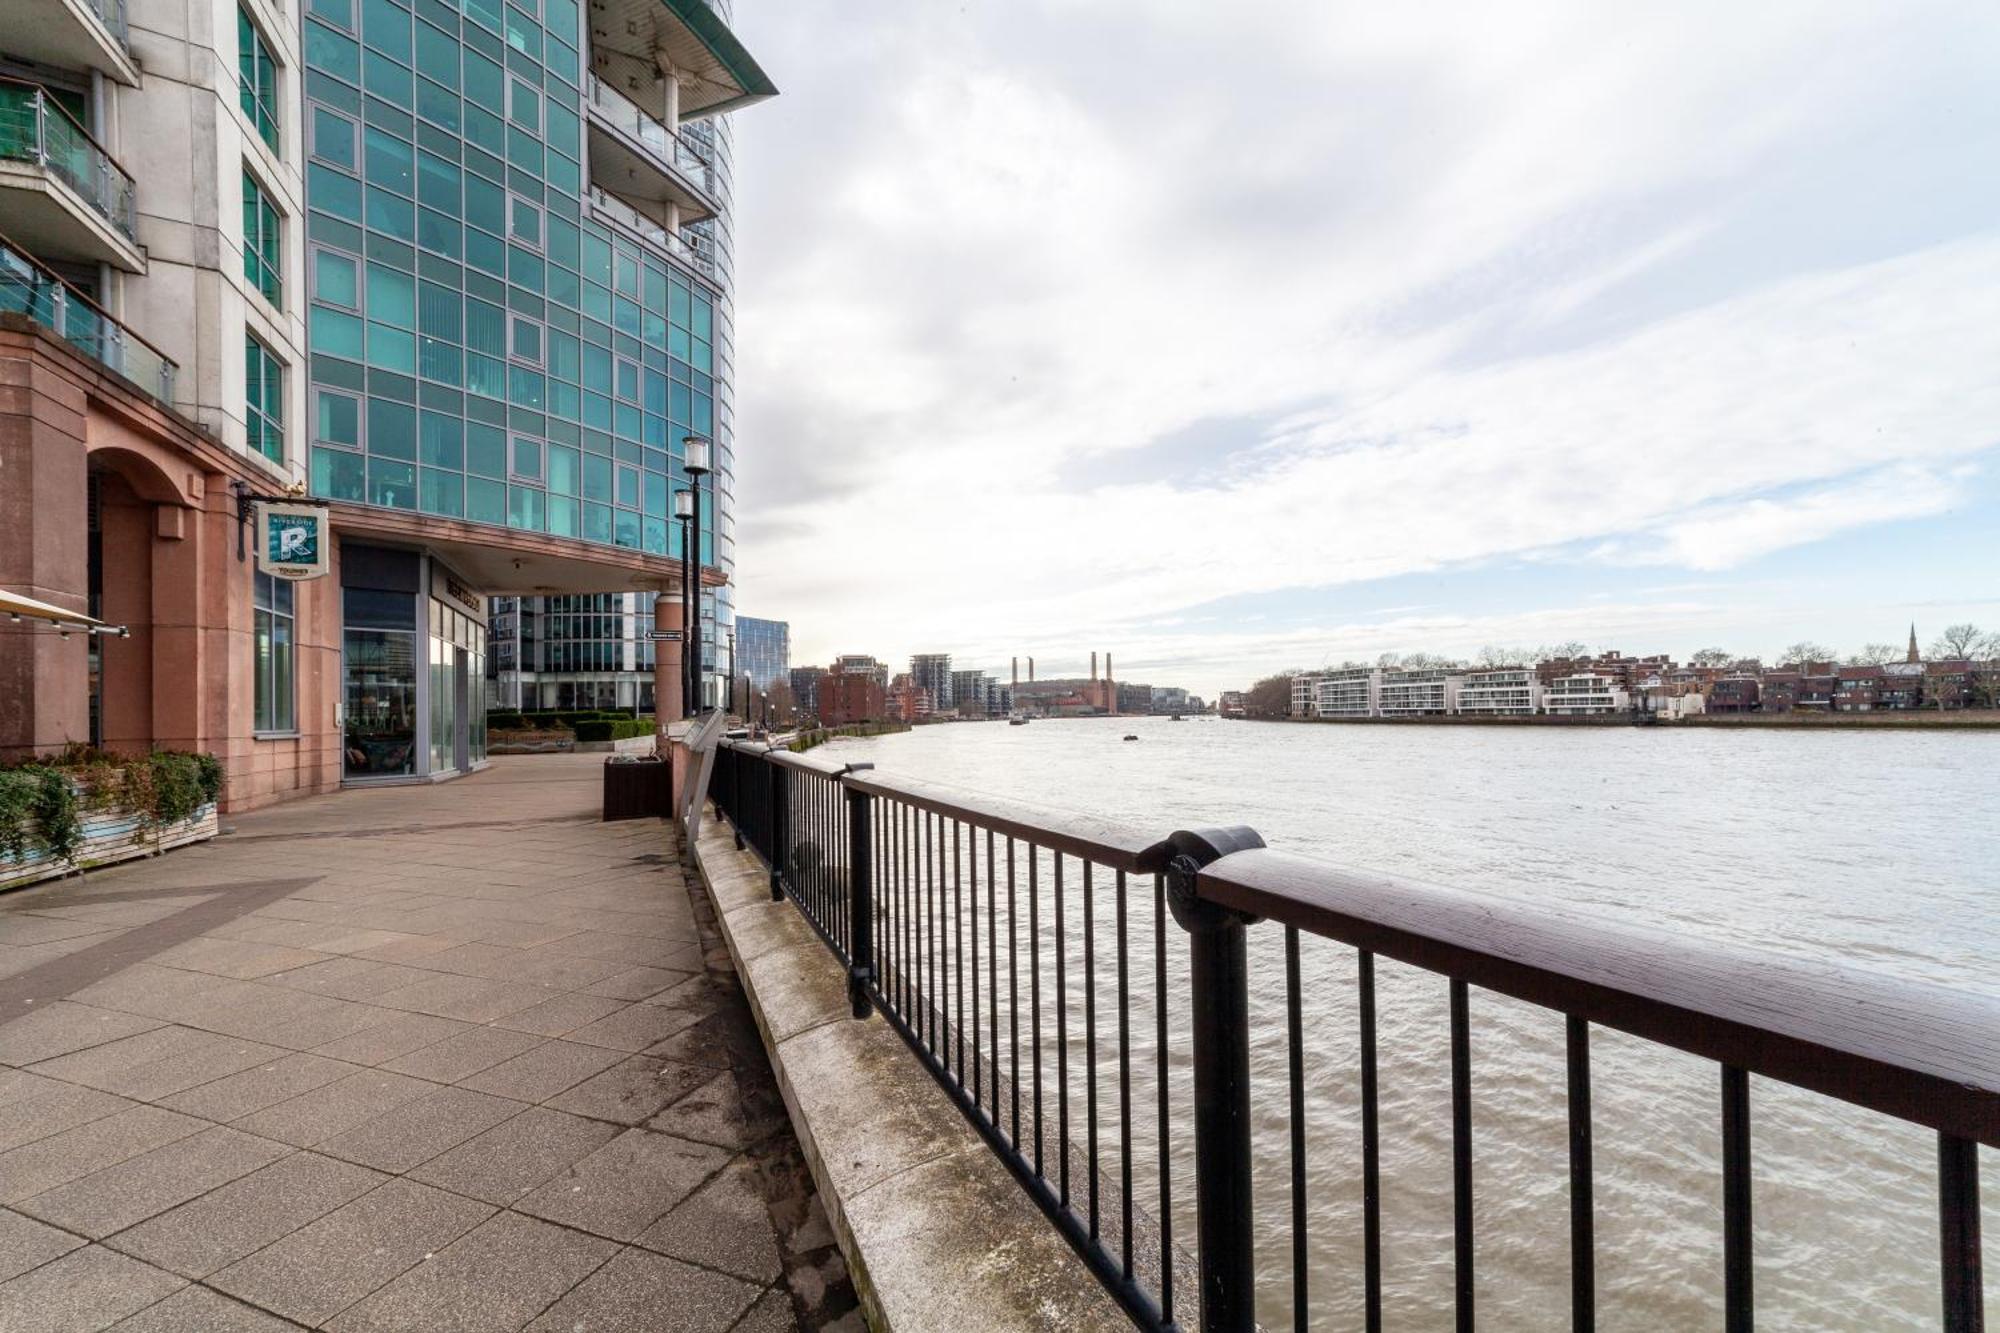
x=695 y=455
x=684 y=511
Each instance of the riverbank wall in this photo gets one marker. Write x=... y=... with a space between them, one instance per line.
x=1973 y=719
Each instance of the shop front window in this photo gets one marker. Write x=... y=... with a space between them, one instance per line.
x=380 y=651
x=274 y=638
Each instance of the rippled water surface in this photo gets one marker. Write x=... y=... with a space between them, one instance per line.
x=1877 y=849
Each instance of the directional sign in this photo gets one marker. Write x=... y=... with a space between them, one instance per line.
x=666 y=636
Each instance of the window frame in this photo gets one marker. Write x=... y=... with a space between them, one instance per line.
x=256 y=266
x=259 y=96
x=265 y=612
x=273 y=420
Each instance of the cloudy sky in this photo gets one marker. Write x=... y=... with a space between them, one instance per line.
x=1235 y=337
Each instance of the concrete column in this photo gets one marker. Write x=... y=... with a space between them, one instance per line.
x=671 y=118
x=667 y=659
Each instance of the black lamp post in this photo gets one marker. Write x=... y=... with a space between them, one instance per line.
x=695 y=453
x=684 y=511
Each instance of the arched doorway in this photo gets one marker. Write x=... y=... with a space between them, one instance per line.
x=124 y=498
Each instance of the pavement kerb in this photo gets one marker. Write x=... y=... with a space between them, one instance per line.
x=936 y=1233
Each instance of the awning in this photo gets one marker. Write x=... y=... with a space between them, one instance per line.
x=16 y=607
x=633 y=41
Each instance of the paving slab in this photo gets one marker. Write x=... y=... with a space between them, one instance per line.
x=76 y=1153
x=199 y=1310
x=85 y=1290
x=542 y=1073
x=641 y=1290
x=313 y=1117
x=416 y=1131
x=137 y=1188
x=463 y=1054
x=725 y=1225
x=235 y=1221
x=499 y=1276
x=319 y=1270
x=27 y=1244
x=60 y=1028
x=627 y=1185
x=631 y=1090
x=516 y=1156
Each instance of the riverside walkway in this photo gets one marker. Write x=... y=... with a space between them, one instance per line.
x=456 y=1057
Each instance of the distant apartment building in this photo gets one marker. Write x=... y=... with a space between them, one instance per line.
x=931 y=672
x=1500 y=692
x=1305 y=696
x=1429 y=692
x=861 y=664
x=763 y=650
x=1585 y=694
x=1738 y=693
x=1229 y=703
x=1350 y=692
x=1167 y=699
x=805 y=689
x=851 y=696
x=908 y=701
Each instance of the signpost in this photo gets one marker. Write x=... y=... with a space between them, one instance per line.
x=292 y=540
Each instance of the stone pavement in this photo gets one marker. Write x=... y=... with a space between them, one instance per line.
x=456 y=1057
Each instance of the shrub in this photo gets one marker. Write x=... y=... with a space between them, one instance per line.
x=43 y=801
x=613 y=729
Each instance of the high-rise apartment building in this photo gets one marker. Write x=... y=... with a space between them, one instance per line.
x=931 y=672
x=763 y=651
x=460 y=274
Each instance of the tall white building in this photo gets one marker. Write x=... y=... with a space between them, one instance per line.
x=1585 y=694
x=1501 y=692
x=1430 y=692
x=1350 y=692
x=1305 y=696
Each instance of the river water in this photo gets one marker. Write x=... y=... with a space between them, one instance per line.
x=1878 y=849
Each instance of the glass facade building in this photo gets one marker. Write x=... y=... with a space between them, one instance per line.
x=763 y=651
x=518 y=258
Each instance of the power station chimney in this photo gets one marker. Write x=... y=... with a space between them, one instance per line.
x=1031 y=671
x=1093 y=666
x=1017 y=671
x=1107 y=666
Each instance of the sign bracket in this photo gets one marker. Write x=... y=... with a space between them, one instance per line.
x=247 y=501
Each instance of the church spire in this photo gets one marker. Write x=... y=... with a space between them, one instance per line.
x=1913 y=657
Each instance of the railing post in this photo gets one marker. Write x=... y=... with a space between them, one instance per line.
x=1220 y=981
x=861 y=902
x=739 y=797
x=780 y=826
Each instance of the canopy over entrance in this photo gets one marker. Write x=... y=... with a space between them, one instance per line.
x=17 y=608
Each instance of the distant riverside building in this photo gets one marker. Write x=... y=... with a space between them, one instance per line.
x=1229 y=703
x=1585 y=694
x=861 y=664
x=1170 y=699
x=805 y=689
x=1305 y=696
x=591 y=650
x=1429 y=692
x=763 y=650
x=1350 y=692
x=856 y=695
x=931 y=672
x=1500 y=692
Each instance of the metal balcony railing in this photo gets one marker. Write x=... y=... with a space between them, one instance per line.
x=35 y=128
x=27 y=288
x=1057 y=973
x=112 y=14
x=692 y=248
x=689 y=156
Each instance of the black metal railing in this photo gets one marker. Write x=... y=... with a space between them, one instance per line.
x=1025 y=958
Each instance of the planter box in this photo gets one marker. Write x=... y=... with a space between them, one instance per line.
x=116 y=834
x=638 y=790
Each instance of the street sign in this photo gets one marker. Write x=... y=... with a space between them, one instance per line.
x=666 y=636
x=292 y=540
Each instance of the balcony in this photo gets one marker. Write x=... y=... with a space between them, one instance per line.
x=27 y=288
x=633 y=41
x=693 y=248
x=67 y=199
x=73 y=34
x=647 y=163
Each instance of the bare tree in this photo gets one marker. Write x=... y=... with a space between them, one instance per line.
x=1805 y=651
x=1962 y=640
x=1270 y=697
x=1875 y=654
x=1493 y=655
x=1713 y=657
x=783 y=703
x=1389 y=661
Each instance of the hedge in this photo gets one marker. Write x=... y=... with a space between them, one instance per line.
x=509 y=719
x=42 y=801
x=613 y=729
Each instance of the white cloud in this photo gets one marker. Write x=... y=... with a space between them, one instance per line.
x=1510 y=280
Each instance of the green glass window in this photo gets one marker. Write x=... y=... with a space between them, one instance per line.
x=337 y=419
x=274 y=637
x=333 y=138
x=337 y=475
x=263 y=252
x=257 y=79
x=334 y=280
x=264 y=400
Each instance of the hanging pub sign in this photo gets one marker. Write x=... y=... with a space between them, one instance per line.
x=292 y=540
